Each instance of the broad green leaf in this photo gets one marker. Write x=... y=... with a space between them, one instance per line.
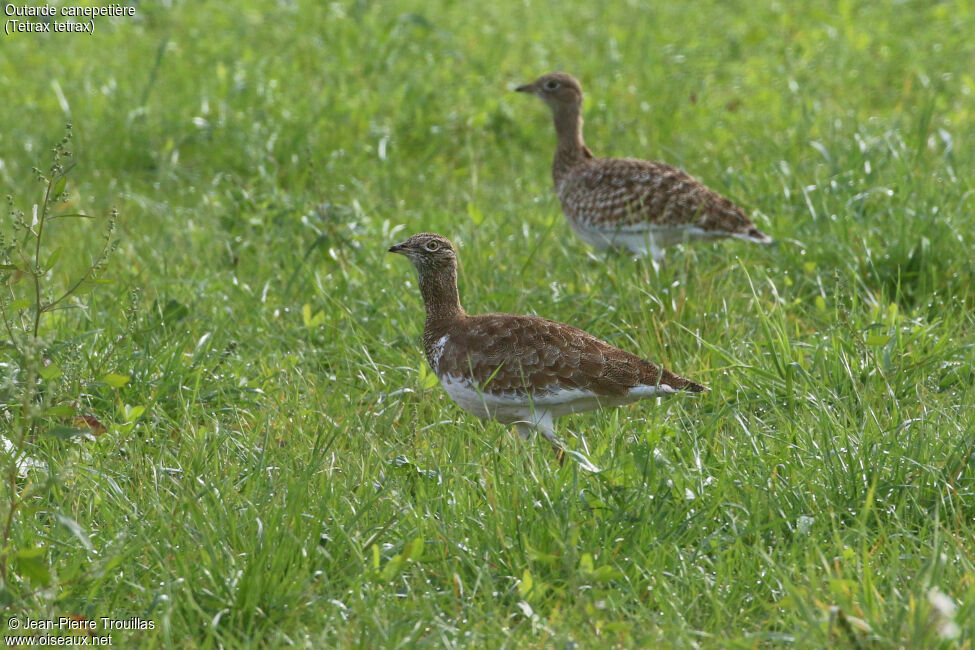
x=606 y=573
x=308 y=319
x=391 y=570
x=475 y=214
x=65 y=432
x=133 y=413
x=173 y=311
x=428 y=379
x=115 y=381
x=585 y=563
x=53 y=259
x=375 y=556
x=31 y=564
x=542 y=558
x=61 y=410
x=526 y=583
x=85 y=287
x=876 y=340
x=51 y=371
x=17 y=305
x=59 y=186
x=414 y=551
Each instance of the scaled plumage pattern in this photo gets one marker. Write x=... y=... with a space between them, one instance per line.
x=639 y=205
x=521 y=370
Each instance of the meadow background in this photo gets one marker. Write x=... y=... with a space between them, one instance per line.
x=268 y=461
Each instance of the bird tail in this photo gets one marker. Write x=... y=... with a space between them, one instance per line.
x=753 y=234
x=681 y=384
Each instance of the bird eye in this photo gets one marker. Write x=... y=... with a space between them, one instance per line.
x=432 y=246
x=551 y=84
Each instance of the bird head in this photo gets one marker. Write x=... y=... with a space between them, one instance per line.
x=555 y=89
x=427 y=251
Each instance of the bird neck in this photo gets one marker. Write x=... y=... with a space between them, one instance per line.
x=439 y=290
x=571 y=149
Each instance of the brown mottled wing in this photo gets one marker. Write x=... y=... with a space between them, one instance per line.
x=612 y=193
x=503 y=352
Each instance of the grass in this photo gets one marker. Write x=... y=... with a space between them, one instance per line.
x=282 y=469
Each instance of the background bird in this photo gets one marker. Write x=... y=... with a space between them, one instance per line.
x=522 y=370
x=639 y=205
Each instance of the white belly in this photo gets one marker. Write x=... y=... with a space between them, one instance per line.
x=512 y=407
x=506 y=408
x=642 y=239
x=647 y=240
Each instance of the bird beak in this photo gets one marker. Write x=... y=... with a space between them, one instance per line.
x=527 y=88
x=398 y=248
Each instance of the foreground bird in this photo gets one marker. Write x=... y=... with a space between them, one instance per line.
x=639 y=205
x=521 y=370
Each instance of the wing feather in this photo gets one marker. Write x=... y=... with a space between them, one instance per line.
x=504 y=353
x=626 y=193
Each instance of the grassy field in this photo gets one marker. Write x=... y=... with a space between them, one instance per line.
x=271 y=463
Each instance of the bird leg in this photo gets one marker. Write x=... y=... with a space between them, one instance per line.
x=525 y=430
x=545 y=426
x=559 y=454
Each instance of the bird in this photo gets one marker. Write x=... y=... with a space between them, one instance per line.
x=522 y=370
x=625 y=203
